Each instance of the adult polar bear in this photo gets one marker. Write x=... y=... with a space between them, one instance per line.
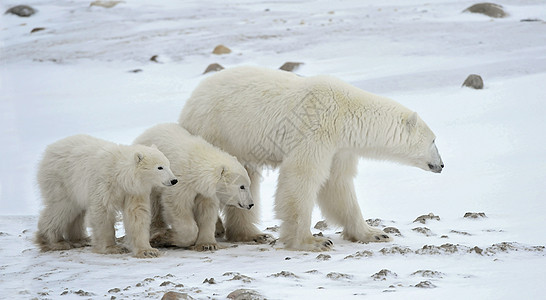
x=313 y=129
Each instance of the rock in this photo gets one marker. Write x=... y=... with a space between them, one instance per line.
x=105 y=4
x=393 y=231
x=359 y=254
x=176 y=296
x=37 y=29
x=460 y=232
x=531 y=20
x=489 y=9
x=209 y=280
x=474 y=81
x=471 y=215
x=135 y=71
x=374 y=222
x=284 y=274
x=338 y=276
x=221 y=49
x=238 y=276
x=383 y=274
x=323 y=257
x=423 y=219
x=154 y=58
x=213 y=68
x=21 y=11
x=424 y=230
x=396 y=250
x=114 y=290
x=428 y=274
x=290 y=66
x=425 y=285
x=321 y=225
x=273 y=229
x=245 y=294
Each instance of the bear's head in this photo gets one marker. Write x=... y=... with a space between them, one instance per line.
x=233 y=186
x=420 y=144
x=153 y=166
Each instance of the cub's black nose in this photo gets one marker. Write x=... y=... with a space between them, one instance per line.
x=250 y=206
x=174 y=181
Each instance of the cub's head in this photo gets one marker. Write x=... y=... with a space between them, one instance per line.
x=421 y=148
x=233 y=186
x=153 y=166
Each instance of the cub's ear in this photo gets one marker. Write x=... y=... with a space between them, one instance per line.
x=412 y=119
x=222 y=170
x=138 y=157
x=153 y=146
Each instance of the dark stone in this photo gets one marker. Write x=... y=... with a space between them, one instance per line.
x=489 y=9
x=474 y=81
x=290 y=66
x=37 y=29
x=21 y=11
x=213 y=68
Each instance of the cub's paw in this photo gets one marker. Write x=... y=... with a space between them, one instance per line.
x=205 y=247
x=162 y=239
x=62 y=245
x=81 y=243
x=114 y=249
x=147 y=253
x=220 y=230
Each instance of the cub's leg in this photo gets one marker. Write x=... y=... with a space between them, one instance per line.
x=102 y=223
x=178 y=206
x=240 y=225
x=136 y=219
x=206 y=216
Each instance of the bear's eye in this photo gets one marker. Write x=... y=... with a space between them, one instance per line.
x=242 y=187
x=160 y=168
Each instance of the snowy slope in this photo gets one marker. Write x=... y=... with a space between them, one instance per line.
x=74 y=77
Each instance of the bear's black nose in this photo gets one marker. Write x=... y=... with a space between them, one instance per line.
x=174 y=181
x=250 y=206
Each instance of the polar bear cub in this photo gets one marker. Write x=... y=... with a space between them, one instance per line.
x=209 y=179
x=314 y=130
x=82 y=175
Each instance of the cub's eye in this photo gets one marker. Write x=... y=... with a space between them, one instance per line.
x=242 y=187
x=160 y=168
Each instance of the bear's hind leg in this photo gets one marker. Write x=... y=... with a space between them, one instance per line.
x=178 y=204
x=338 y=203
x=240 y=225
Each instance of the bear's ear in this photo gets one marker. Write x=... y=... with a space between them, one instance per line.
x=411 y=121
x=153 y=146
x=138 y=157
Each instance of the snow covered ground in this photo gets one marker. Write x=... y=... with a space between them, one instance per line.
x=74 y=76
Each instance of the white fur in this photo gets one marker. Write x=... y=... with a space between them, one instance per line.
x=82 y=174
x=209 y=179
x=313 y=129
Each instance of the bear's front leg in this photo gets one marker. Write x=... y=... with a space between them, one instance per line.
x=300 y=177
x=338 y=203
x=136 y=219
x=206 y=215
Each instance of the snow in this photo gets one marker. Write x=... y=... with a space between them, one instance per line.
x=74 y=77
